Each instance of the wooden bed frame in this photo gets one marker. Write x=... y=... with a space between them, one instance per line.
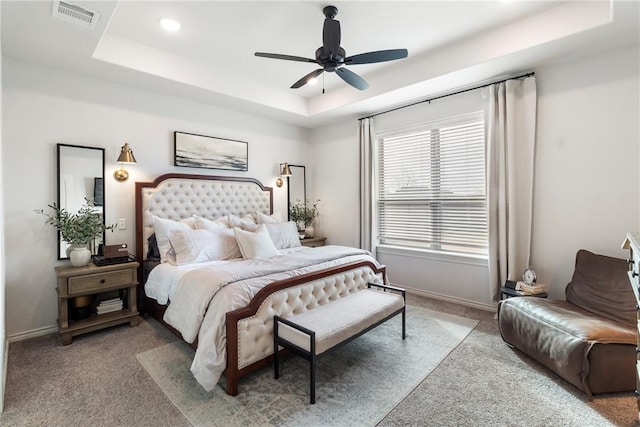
x=261 y=307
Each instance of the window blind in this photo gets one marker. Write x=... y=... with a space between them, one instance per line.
x=431 y=186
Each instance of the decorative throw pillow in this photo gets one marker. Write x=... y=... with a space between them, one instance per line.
x=152 y=251
x=255 y=245
x=162 y=227
x=208 y=224
x=246 y=222
x=284 y=234
x=193 y=246
x=268 y=219
x=191 y=222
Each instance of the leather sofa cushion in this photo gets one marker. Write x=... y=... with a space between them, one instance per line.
x=603 y=378
x=561 y=336
x=600 y=284
x=563 y=316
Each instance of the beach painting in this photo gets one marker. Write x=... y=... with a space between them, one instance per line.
x=199 y=151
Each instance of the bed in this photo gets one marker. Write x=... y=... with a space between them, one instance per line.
x=228 y=319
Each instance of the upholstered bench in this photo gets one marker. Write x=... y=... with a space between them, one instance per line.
x=314 y=333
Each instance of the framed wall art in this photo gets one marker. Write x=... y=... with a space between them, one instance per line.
x=199 y=151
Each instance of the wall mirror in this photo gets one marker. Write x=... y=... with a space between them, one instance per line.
x=80 y=176
x=297 y=186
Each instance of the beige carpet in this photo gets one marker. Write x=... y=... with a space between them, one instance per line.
x=377 y=371
x=98 y=381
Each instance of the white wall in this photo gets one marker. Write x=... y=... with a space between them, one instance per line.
x=585 y=189
x=335 y=181
x=3 y=328
x=44 y=106
x=588 y=144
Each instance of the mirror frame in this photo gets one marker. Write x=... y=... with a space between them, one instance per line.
x=58 y=182
x=304 y=187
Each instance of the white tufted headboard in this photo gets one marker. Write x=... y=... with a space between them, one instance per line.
x=178 y=196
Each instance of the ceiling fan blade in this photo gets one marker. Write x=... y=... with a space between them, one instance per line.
x=377 y=56
x=285 y=57
x=331 y=37
x=352 y=78
x=303 y=81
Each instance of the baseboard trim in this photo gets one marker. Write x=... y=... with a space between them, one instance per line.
x=34 y=333
x=448 y=298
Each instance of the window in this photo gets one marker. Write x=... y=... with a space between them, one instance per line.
x=431 y=186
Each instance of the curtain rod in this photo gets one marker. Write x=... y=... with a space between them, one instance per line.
x=450 y=94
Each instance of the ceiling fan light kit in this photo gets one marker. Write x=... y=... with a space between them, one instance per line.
x=332 y=57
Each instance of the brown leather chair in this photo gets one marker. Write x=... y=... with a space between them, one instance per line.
x=589 y=339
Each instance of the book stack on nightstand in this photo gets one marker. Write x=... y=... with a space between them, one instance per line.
x=109 y=306
x=521 y=289
x=536 y=289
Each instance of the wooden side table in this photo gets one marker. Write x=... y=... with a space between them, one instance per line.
x=313 y=242
x=508 y=293
x=95 y=284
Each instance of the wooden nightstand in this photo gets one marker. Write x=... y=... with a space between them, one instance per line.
x=313 y=242
x=96 y=284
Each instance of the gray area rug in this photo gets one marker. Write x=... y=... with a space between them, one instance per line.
x=377 y=371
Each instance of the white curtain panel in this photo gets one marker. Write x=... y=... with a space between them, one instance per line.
x=366 y=139
x=510 y=109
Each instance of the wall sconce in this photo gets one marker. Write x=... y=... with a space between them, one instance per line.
x=126 y=156
x=284 y=171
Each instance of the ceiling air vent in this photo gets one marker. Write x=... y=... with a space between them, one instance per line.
x=76 y=14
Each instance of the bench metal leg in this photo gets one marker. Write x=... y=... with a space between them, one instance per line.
x=403 y=292
x=312 y=375
x=312 y=369
x=276 y=357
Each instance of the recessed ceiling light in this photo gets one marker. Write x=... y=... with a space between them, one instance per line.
x=170 y=24
x=312 y=81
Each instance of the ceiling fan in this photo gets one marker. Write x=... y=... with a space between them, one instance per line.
x=331 y=57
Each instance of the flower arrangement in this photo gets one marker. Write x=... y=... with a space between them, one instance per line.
x=79 y=228
x=304 y=213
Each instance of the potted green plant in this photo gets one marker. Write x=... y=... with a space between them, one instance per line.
x=77 y=229
x=303 y=214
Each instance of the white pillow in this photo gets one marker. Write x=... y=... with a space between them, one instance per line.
x=208 y=224
x=162 y=226
x=246 y=222
x=268 y=219
x=191 y=222
x=284 y=234
x=192 y=246
x=255 y=245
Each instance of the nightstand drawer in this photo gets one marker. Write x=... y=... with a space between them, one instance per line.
x=95 y=282
x=313 y=242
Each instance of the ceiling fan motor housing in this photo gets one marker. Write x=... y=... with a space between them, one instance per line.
x=330 y=64
x=330 y=11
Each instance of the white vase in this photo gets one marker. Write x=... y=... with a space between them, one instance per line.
x=79 y=256
x=309 y=231
x=73 y=246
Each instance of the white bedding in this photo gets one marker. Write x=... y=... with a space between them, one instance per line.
x=196 y=313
